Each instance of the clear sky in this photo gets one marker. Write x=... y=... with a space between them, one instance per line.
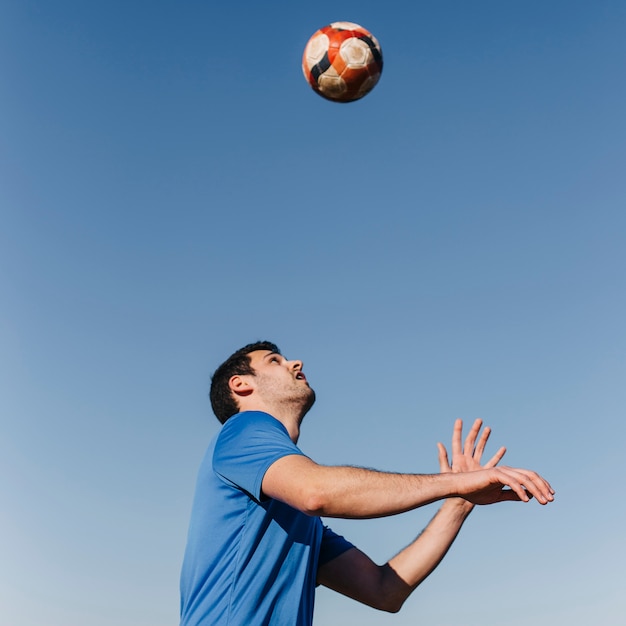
x=453 y=245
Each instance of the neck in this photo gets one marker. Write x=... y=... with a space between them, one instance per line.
x=289 y=418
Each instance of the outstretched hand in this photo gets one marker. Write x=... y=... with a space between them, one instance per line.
x=466 y=457
x=489 y=484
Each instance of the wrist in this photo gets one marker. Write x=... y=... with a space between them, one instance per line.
x=459 y=505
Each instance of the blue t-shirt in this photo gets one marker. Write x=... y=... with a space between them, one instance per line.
x=250 y=561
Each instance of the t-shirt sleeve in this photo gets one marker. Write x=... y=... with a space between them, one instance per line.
x=246 y=447
x=333 y=545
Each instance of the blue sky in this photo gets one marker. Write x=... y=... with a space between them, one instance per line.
x=450 y=246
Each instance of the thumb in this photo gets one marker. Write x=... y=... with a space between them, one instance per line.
x=444 y=464
x=508 y=495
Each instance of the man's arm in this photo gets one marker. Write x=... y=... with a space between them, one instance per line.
x=386 y=587
x=354 y=492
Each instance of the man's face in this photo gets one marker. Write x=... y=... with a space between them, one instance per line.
x=280 y=381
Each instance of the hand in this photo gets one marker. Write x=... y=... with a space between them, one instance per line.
x=488 y=484
x=466 y=458
x=501 y=484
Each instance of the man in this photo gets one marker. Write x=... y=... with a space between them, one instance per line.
x=256 y=546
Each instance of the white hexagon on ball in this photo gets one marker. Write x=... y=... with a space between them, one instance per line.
x=331 y=84
x=316 y=49
x=355 y=52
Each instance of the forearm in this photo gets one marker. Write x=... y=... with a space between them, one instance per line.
x=362 y=493
x=404 y=572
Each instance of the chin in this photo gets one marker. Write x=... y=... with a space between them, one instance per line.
x=310 y=401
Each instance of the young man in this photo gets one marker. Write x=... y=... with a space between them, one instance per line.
x=257 y=547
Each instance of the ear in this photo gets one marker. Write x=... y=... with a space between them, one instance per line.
x=241 y=385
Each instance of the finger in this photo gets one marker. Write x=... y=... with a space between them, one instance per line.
x=531 y=483
x=470 y=440
x=457 y=448
x=444 y=463
x=511 y=478
x=496 y=458
x=537 y=486
x=482 y=442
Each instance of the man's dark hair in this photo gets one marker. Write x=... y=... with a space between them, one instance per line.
x=238 y=364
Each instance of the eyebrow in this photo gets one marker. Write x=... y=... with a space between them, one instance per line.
x=269 y=354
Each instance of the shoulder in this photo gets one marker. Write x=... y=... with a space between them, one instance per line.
x=247 y=447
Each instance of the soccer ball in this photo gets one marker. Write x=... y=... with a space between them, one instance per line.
x=342 y=62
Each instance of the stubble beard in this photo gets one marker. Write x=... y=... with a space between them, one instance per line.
x=296 y=398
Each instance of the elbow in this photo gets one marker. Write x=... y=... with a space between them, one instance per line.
x=314 y=503
x=317 y=499
x=386 y=604
x=392 y=590
x=391 y=605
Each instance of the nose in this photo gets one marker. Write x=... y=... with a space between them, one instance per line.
x=297 y=365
